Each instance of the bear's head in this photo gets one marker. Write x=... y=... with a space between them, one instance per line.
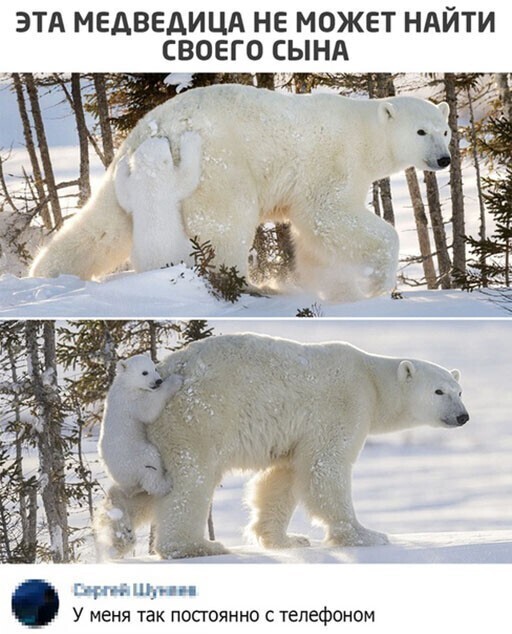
x=431 y=395
x=151 y=155
x=418 y=132
x=138 y=372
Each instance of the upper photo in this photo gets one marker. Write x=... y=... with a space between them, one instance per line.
x=255 y=195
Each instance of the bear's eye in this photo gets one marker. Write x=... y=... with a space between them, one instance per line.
x=460 y=393
x=446 y=133
x=145 y=373
x=422 y=132
x=439 y=392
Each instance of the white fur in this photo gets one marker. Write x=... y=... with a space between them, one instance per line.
x=151 y=188
x=136 y=399
x=116 y=520
x=298 y=414
x=309 y=159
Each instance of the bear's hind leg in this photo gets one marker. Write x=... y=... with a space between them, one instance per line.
x=116 y=519
x=272 y=503
x=227 y=220
x=181 y=515
x=93 y=243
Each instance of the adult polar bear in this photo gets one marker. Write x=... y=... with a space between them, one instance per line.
x=297 y=413
x=309 y=159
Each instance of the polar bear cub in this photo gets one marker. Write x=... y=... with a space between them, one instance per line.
x=136 y=398
x=150 y=187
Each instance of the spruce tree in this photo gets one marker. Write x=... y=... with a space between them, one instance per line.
x=490 y=262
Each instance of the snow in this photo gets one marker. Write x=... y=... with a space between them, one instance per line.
x=182 y=81
x=115 y=514
x=179 y=292
x=455 y=548
x=442 y=496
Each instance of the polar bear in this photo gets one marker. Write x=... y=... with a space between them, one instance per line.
x=136 y=398
x=150 y=187
x=296 y=413
x=273 y=156
x=116 y=519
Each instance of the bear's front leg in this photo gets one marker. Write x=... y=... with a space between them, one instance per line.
x=347 y=256
x=147 y=410
x=328 y=498
x=272 y=501
x=377 y=259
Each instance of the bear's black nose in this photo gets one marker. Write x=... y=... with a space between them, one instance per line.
x=444 y=161
x=159 y=382
x=462 y=419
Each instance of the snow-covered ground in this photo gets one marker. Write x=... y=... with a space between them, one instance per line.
x=178 y=292
x=442 y=495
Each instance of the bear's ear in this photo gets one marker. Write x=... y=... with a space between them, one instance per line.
x=387 y=111
x=121 y=366
x=444 y=108
x=455 y=374
x=406 y=370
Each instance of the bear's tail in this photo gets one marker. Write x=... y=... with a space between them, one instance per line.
x=116 y=520
x=93 y=243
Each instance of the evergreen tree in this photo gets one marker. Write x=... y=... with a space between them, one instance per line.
x=491 y=256
x=194 y=330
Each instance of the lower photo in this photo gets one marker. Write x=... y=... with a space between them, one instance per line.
x=255 y=441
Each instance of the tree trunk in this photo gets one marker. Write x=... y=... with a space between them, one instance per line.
x=375 y=199
x=436 y=218
x=388 y=213
x=109 y=354
x=85 y=473
x=49 y=439
x=5 y=189
x=211 y=528
x=29 y=142
x=153 y=340
x=482 y=232
x=457 y=194
x=84 y=183
x=382 y=86
x=100 y=85
x=4 y=535
x=385 y=85
x=505 y=93
x=25 y=492
x=421 y=228
x=31 y=537
x=43 y=149
x=69 y=99
x=265 y=80
x=303 y=82
x=507 y=254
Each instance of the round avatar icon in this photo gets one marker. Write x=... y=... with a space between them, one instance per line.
x=35 y=603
